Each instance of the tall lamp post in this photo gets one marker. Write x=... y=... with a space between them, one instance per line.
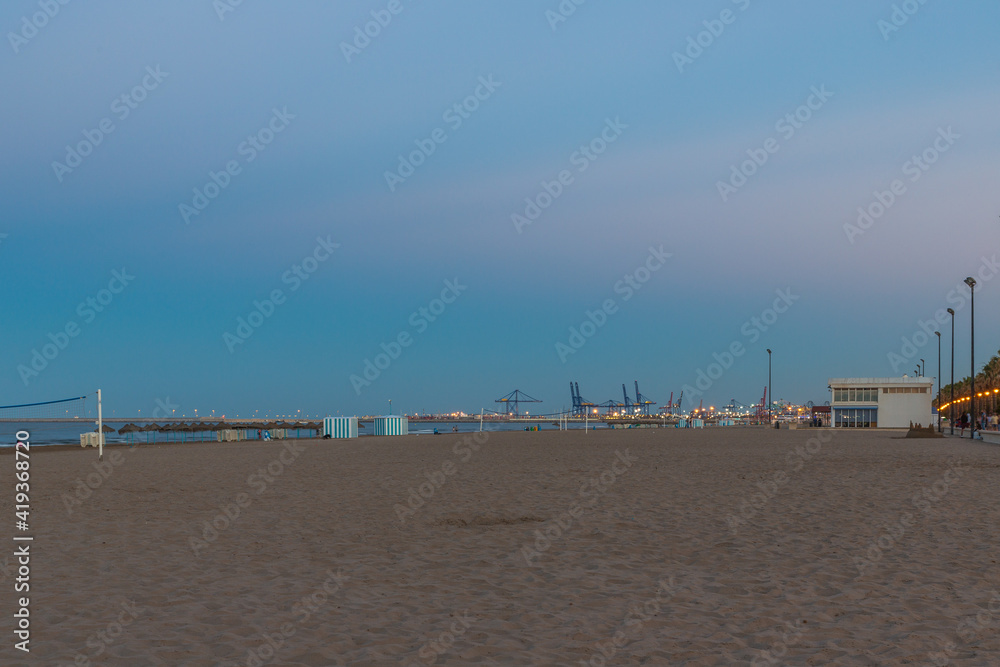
x=972 y=357
x=951 y=401
x=770 y=396
x=938 y=334
x=923 y=367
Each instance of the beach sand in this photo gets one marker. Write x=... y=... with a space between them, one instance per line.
x=676 y=547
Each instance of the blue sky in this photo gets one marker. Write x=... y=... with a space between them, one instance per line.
x=336 y=125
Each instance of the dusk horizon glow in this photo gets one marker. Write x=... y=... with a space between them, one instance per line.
x=320 y=207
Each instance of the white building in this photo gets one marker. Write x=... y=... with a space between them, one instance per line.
x=881 y=402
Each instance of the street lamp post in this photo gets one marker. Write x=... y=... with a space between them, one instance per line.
x=938 y=334
x=923 y=367
x=951 y=401
x=770 y=396
x=972 y=357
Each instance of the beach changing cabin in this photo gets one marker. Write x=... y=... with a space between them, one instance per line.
x=340 y=427
x=391 y=425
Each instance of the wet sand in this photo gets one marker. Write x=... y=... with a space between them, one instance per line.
x=645 y=546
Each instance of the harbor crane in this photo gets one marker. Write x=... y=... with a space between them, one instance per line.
x=760 y=410
x=642 y=402
x=612 y=406
x=669 y=407
x=733 y=403
x=580 y=405
x=515 y=398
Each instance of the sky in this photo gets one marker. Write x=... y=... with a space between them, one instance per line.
x=317 y=207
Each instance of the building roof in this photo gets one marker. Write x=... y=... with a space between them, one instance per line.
x=882 y=381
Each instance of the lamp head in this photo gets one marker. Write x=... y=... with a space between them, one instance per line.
x=937 y=333
x=970 y=281
x=769 y=350
x=952 y=312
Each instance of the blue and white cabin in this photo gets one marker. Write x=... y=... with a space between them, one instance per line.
x=391 y=425
x=340 y=427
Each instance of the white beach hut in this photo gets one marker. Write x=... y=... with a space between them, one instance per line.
x=340 y=427
x=391 y=425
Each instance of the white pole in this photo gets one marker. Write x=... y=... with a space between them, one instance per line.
x=586 y=419
x=481 y=411
x=100 y=429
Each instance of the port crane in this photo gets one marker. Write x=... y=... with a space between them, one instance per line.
x=580 y=405
x=733 y=403
x=515 y=398
x=760 y=410
x=669 y=407
x=628 y=401
x=611 y=406
x=642 y=403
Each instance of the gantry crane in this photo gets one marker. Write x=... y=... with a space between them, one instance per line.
x=642 y=402
x=580 y=404
x=515 y=398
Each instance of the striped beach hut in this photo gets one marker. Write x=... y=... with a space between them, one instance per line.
x=391 y=425
x=340 y=427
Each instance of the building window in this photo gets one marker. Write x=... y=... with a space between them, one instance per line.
x=856 y=395
x=856 y=417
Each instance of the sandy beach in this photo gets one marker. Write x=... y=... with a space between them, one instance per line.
x=630 y=547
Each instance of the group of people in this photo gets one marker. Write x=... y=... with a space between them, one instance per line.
x=984 y=423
